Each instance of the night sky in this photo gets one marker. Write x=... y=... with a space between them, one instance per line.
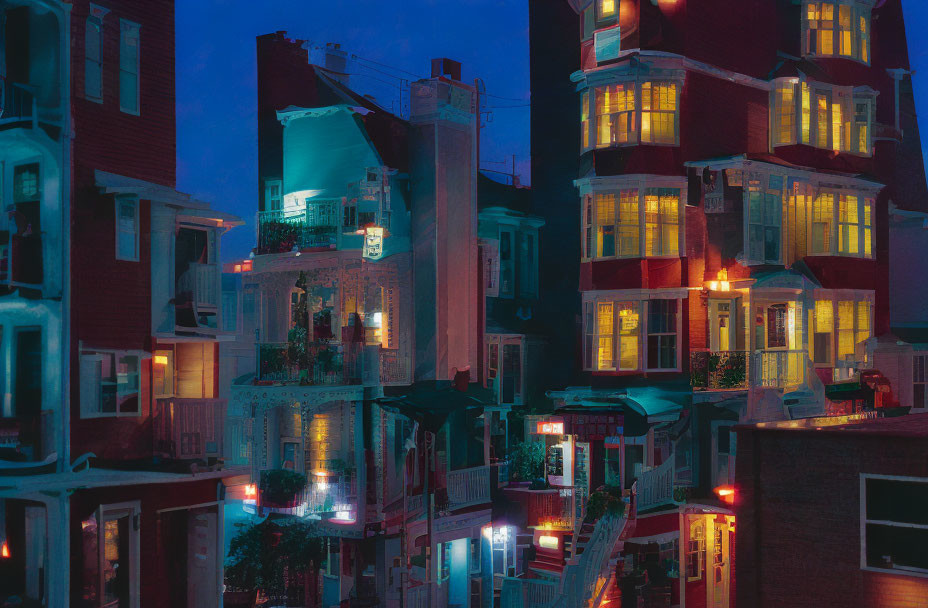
x=217 y=94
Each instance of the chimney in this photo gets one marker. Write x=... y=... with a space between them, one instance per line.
x=448 y=68
x=461 y=379
x=336 y=62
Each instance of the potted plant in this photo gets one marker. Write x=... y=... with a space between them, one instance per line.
x=528 y=461
x=279 y=487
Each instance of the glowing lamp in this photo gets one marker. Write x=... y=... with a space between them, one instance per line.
x=726 y=494
x=251 y=491
x=160 y=359
x=725 y=285
x=713 y=285
x=5 y=550
x=550 y=428
x=548 y=542
x=237 y=268
x=487 y=532
x=246 y=266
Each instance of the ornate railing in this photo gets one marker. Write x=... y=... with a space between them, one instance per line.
x=779 y=368
x=655 y=487
x=188 y=428
x=553 y=508
x=584 y=575
x=324 y=496
x=320 y=364
x=418 y=597
x=17 y=102
x=722 y=370
x=468 y=487
x=527 y=592
x=280 y=231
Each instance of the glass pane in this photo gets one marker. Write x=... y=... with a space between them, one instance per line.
x=897 y=501
x=116 y=563
x=128 y=91
x=897 y=548
x=90 y=573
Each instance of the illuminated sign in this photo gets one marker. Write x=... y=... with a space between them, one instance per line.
x=373 y=242
x=548 y=542
x=550 y=428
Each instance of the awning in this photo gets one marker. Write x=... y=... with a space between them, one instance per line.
x=431 y=403
x=641 y=406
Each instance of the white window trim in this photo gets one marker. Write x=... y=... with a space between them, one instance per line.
x=860 y=95
x=640 y=296
x=89 y=353
x=501 y=340
x=638 y=80
x=125 y=24
x=747 y=176
x=842 y=295
x=858 y=9
x=135 y=201
x=614 y=186
x=95 y=17
x=110 y=512
x=864 y=521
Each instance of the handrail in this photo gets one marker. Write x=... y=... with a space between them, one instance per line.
x=655 y=486
x=468 y=487
x=779 y=368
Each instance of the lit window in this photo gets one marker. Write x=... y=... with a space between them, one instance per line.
x=128 y=67
x=848 y=225
x=628 y=335
x=605 y=328
x=662 y=222
x=620 y=108
x=895 y=524
x=616 y=338
x=822 y=223
x=696 y=550
x=612 y=226
x=868 y=226
x=606 y=8
x=823 y=332
x=127 y=229
x=785 y=126
x=853 y=328
x=837 y=29
x=841 y=120
x=585 y=119
x=659 y=112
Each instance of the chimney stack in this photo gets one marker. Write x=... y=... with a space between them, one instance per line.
x=448 y=68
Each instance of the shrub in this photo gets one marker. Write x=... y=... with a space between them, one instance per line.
x=281 y=485
x=528 y=460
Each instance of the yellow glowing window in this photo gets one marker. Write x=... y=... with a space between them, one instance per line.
x=836 y=126
x=806 y=112
x=629 y=227
x=606 y=8
x=605 y=225
x=605 y=329
x=786 y=114
x=824 y=316
x=845 y=329
x=864 y=41
x=658 y=112
x=548 y=542
x=821 y=103
x=868 y=227
x=845 y=31
x=822 y=222
x=848 y=224
x=628 y=335
x=662 y=222
x=615 y=114
x=585 y=119
x=863 y=322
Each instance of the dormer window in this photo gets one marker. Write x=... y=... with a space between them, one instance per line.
x=822 y=115
x=836 y=29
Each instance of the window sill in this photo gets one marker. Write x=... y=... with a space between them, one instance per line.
x=86 y=416
x=636 y=257
x=828 y=150
x=810 y=56
x=913 y=572
x=631 y=145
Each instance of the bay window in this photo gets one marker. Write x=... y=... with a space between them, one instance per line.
x=627 y=334
x=839 y=28
x=851 y=216
x=841 y=322
x=631 y=112
x=828 y=117
x=614 y=222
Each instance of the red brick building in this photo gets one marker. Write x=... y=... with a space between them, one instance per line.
x=833 y=515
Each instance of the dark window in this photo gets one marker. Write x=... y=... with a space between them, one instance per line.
x=897 y=524
x=27 y=400
x=724 y=440
x=662 y=334
x=776 y=326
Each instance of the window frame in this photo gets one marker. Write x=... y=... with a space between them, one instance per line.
x=920 y=379
x=95 y=19
x=861 y=14
x=806 y=123
x=126 y=26
x=118 y=201
x=115 y=511
x=597 y=193
x=592 y=335
x=634 y=85
x=864 y=521
x=494 y=382
x=87 y=354
x=856 y=297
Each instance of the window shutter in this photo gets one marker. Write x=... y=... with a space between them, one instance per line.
x=91 y=371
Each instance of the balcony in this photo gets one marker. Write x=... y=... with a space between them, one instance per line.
x=27 y=441
x=655 y=487
x=322 y=364
x=188 y=428
x=468 y=487
x=719 y=371
x=779 y=368
x=280 y=231
x=527 y=592
x=198 y=296
x=329 y=495
x=17 y=103
x=553 y=508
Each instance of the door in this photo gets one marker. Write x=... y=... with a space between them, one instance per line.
x=723 y=321
x=202 y=574
x=718 y=585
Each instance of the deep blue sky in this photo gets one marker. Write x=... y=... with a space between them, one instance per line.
x=216 y=80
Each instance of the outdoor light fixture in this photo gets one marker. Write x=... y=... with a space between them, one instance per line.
x=726 y=494
x=251 y=491
x=160 y=359
x=721 y=283
x=5 y=550
x=500 y=536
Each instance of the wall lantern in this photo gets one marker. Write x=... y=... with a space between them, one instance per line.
x=726 y=494
x=721 y=283
x=548 y=542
